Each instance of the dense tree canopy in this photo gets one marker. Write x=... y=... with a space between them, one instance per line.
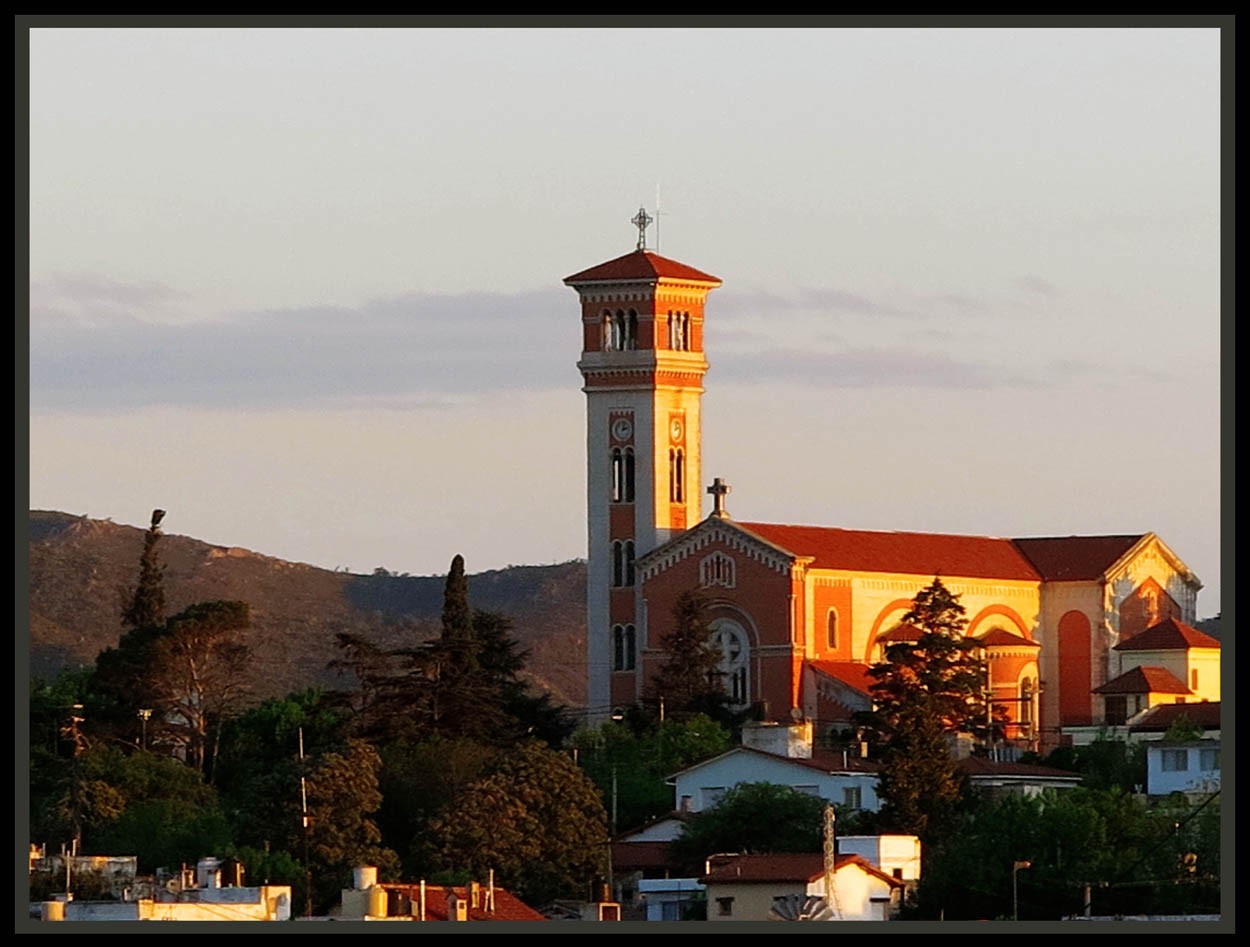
x=535 y=819
x=631 y=765
x=753 y=817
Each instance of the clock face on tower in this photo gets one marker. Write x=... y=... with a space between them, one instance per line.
x=622 y=429
x=676 y=430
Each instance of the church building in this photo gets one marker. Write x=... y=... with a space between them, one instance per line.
x=800 y=612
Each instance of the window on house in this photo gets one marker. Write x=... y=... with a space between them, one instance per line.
x=1209 y=760
x=1193 y=679
x=1117 y=711
x=808 y=790
x=852 y=797
x=1175 y=761
x=725 y=907
x=831 y=629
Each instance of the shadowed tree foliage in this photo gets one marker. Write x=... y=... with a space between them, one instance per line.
x=641 y=760
x=1136 y=859
x=197 y=677
x=534 y=818
x=144 y=605
x=464 y=684
x=752 y=817
x=689 y=680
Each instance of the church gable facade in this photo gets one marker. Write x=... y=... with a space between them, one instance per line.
x=799 y=613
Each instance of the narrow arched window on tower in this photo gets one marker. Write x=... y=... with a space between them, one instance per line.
x=607 y=330
x=831 y=629
x=618 y=564
x=631 y=330
x=676 y=475
x=622 y=475
x=629 y=562
x=623 y=648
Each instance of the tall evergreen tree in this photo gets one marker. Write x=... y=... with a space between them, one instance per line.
x=923 y=692
x=458 y=634
x=144 y=605
x=689 y=680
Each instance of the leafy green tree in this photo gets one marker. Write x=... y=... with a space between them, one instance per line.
x=922 y=692
x=534 y=818
x=753 y=817
x=197 y=677
x=1133 y=857
x=634 y=764
x=689 y=680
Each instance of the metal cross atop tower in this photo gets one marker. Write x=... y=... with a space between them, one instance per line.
x=642 y=220
x=718 y=489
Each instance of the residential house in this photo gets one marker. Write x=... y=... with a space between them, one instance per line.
x=793 y=887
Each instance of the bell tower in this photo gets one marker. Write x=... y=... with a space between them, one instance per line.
x=643 y=365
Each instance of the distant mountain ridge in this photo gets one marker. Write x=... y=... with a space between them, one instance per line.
x=79 y=568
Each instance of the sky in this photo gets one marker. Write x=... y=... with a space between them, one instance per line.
x=302 y=288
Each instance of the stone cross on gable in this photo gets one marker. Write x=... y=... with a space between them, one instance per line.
x=718 y=489
x=642 y=220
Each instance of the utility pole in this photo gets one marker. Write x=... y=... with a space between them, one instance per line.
x=303 y=797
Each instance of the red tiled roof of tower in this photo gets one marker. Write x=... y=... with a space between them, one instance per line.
x=1074 y=558
x=1145 y=680
x=927 y=554
x=848 y=672
x=640 y=265
x=1205 y=714
x=1004 y=638
x=1168 y=635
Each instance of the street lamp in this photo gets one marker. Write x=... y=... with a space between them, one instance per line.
x=144 y=714
x=1015 y=900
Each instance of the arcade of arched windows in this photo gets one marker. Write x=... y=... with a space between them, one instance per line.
x=620 y=330
x=679 y=331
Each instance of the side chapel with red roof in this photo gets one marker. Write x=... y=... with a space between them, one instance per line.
x=800 y=612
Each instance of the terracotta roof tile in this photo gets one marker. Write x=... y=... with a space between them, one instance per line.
x=640 y=856
x=926 y=554
x=508 y=907
x=1145 y=680
x=980 y=766
x=1205 y=714
x=904 y=632
x=1168 y=635
x=801 y=867
x=1075 y=558
x=640 y=265
x=850 y=673
x=1001 y=637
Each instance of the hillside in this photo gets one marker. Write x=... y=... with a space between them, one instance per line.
x=80 y=566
